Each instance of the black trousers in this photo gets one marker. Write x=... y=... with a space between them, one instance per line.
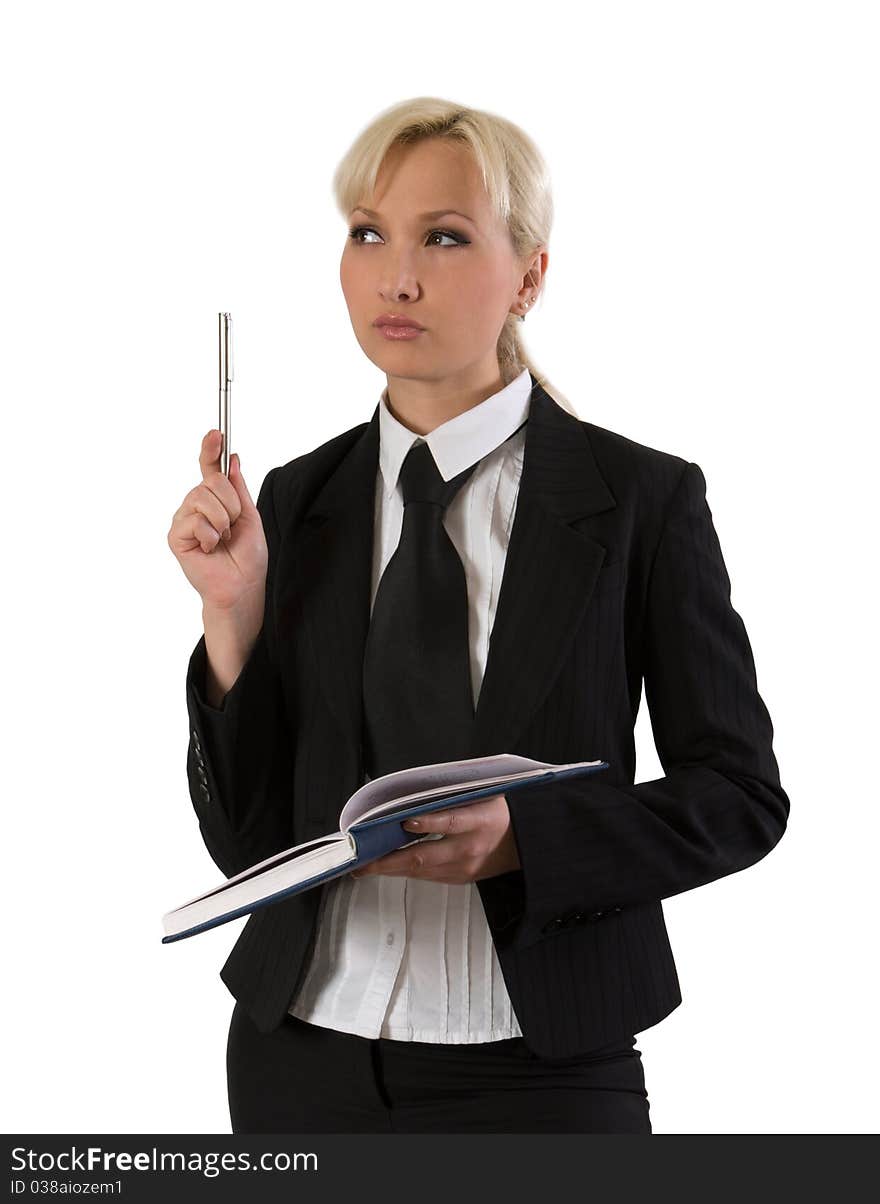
x=304 y=1078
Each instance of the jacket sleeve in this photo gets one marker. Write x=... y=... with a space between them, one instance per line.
x=239 y=761
x=587 y=846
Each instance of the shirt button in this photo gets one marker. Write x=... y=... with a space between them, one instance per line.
x=389 y=940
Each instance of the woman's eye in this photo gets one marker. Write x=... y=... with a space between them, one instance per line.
x=457 y=241
x=354 y=235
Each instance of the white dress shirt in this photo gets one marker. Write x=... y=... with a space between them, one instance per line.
x=409 y=958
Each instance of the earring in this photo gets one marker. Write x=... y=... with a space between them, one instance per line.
x=527 y=303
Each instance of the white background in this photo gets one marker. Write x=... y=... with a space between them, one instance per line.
x=711 y=291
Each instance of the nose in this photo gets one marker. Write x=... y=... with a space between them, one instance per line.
x=403 y=290
x=400 y=283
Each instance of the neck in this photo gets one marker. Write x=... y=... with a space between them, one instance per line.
x=422 y=405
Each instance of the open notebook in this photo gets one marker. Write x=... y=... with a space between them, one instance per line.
x=369 y=827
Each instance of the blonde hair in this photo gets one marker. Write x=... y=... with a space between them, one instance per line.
x=515 y=177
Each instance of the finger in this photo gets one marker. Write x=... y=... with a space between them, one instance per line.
x=202 y=500
x=411 y=863
x=425 y=823
x=194 y=530
x=213 y=478
x=244 y=496
x=209 y=455
x=464 y=818
x=232 y=491
x=206 y=535
x=191 y=530
x=444 y=821
x=223 y=489
x=390 y=863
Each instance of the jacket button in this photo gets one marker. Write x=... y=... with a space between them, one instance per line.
x=202 y=775
x=553 y=925
x=206 y=793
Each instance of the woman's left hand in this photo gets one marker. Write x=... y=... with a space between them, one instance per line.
x=477 y=842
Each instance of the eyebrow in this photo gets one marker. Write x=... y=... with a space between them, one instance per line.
x=428 y=217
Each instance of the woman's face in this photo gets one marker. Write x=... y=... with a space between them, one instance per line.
x=457 y=276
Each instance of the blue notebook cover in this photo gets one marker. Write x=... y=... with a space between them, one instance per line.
x=384 y=834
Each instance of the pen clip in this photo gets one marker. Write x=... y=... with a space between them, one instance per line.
x=227 y=350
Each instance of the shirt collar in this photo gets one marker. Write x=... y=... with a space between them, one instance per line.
x=462 y=440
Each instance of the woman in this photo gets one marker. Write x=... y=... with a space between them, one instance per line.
x=475 y=570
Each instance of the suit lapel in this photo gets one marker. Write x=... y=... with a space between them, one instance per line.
x=550 y=572
x=332 y=561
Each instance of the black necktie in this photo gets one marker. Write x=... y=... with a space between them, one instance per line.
x=418 y=699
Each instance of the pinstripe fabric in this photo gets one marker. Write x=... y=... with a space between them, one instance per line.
x=614 y=580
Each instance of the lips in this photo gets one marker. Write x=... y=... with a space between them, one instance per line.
x=399 y=334
x=398 y=320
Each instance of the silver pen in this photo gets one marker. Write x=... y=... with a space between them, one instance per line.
x=225 y=334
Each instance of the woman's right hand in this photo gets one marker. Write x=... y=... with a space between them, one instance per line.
x=217 y=536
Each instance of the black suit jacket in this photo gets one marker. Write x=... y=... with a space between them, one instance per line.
x=614 y=575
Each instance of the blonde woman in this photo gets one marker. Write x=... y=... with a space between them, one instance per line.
x=473 y=570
